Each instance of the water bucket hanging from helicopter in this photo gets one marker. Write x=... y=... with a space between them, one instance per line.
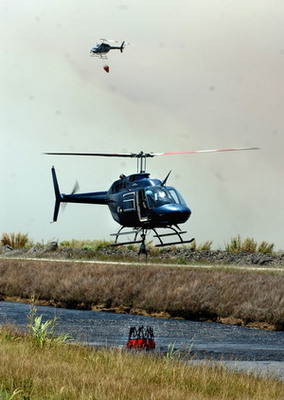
x=106 y=68
x=141 y=338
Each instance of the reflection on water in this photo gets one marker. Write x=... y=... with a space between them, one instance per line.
x=251 y=347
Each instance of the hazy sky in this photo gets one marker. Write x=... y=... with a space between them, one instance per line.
x=197 y=75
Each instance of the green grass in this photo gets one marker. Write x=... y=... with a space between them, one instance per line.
x=75 y=372
x=85 y=244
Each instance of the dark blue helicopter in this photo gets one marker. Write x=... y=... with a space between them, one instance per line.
x=138 y=201
x=101 y=49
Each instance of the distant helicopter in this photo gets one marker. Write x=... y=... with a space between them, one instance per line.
x=101 y=49
x=138 y=201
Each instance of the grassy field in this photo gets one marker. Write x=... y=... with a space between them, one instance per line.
x=243 y=297
x=62 y=371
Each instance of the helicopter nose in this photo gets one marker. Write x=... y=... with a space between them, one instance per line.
x=173 y=213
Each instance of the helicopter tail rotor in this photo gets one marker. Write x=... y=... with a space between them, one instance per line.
x=60 y=198
x=122 y=46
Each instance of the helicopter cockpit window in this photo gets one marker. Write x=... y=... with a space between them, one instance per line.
x=158 y=196
x=176 y=196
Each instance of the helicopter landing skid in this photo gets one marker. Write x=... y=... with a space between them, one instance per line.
x=119 y=233
x=176 y=232
x=143 y=233
x=101 y=56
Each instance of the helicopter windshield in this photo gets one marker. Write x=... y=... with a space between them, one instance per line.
x=158 y=196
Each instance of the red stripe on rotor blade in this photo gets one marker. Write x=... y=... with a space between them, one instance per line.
x=204 y=151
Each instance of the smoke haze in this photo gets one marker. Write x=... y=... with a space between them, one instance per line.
x=197 y=75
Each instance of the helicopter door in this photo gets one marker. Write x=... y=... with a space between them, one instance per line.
x=143 y=211
x=129 y=202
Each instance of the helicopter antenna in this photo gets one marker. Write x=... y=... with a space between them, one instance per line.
x=166 y=178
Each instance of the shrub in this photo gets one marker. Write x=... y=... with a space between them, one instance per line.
x=265 y=247
x=206 y=246
x=17 y=241
x=41 y=333
x=249 y=245
x=235 y=246
x=100 y=244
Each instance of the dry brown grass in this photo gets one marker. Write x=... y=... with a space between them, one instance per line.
x=15 y=240
x=180 y=292
x=73 y=372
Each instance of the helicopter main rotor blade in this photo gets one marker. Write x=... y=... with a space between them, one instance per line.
x=129 y=155
x=114 y=41
x=109 y=40
x=146 y=155
x=132 y=155
x=205 y=151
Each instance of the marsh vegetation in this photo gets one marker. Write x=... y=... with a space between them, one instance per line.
x=65 y=371
x=243 y=297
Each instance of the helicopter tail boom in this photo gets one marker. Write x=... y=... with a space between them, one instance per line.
x=86 y=198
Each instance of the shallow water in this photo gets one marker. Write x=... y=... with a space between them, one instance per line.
x=240 y=348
